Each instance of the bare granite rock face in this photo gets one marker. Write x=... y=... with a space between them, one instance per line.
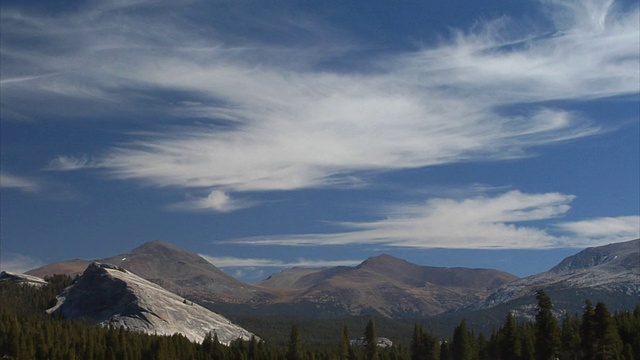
x=113 y=296
x=22 y=278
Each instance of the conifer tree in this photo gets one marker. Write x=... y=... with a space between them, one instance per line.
x=461 y=346
x=294 y=351
x=587 y=332
x=371 y=343
x=607 y=340
x=570 y=337
x=345 y=345
x=510 y=340
x=547 y=329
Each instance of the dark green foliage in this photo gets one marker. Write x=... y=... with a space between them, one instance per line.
x=424 y=346
x=570 y=337
x=547 y=329
x=608 y=344
x=587 y=332
x=294 y=351
x=509 y=339
x=27 y=332
x=345 y=345
x=370 y=339
x=462 y=345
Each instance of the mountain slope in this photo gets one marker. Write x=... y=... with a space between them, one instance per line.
x=111 y=295
x=609 y=273
x=174 y=269
x=387 y=286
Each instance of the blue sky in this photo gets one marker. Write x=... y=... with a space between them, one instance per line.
x=270 y=134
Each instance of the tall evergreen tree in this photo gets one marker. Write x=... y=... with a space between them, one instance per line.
x=462 y=346
x=345 y=345
x=510 y=340
x=294 y=350
x=371 y=341
x=547 y=329
x=587 y=332
x=607 y=340
x=570 y=337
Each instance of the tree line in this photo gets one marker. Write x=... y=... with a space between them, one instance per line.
x=26 y=332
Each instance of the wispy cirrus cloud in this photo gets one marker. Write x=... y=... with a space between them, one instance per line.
x=288 y=125
x=68 y=163
x=481 y=222
x=21 y=183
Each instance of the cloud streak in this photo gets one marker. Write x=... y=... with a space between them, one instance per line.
x=475 y=223
x=10 y=181
x=290 y=126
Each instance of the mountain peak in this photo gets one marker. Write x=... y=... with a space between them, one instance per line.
x=383 y=260
x=156 y=246
x=111 y=295
x=622 y=255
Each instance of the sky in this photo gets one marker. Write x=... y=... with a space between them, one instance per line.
x=265 y=135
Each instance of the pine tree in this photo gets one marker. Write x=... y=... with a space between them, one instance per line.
x=607 y=340
x=547 y=329
x=510 y=340
x=570 y=337
x=371 y=342
x=462 y=346
x=345 y=345
x=587 y=332
x=294 y=351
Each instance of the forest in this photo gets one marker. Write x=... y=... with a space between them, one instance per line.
x=27 y=332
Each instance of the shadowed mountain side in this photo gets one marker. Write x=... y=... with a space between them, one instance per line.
x=113 y=296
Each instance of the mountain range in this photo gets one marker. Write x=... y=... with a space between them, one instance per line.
x=381 y=285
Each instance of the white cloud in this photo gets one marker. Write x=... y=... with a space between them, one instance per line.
x=230 y=261
x=480 y=222
x=68 y=163
x=475 y=223
x=604 y=230
x=19 y=263
x=291 y=127
x=21 y=183
x=217 y=200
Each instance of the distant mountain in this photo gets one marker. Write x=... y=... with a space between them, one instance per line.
x=609 y=273
x=111 y=295
x=387 y=286
x=70 y=267
x=384 y=285
x=174 y=269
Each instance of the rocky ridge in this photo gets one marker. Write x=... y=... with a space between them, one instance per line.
x=22 y=278
x=112 y=296
x=611 y=269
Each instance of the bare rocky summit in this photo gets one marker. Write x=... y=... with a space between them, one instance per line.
x=609 y=273
x=112 y=296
